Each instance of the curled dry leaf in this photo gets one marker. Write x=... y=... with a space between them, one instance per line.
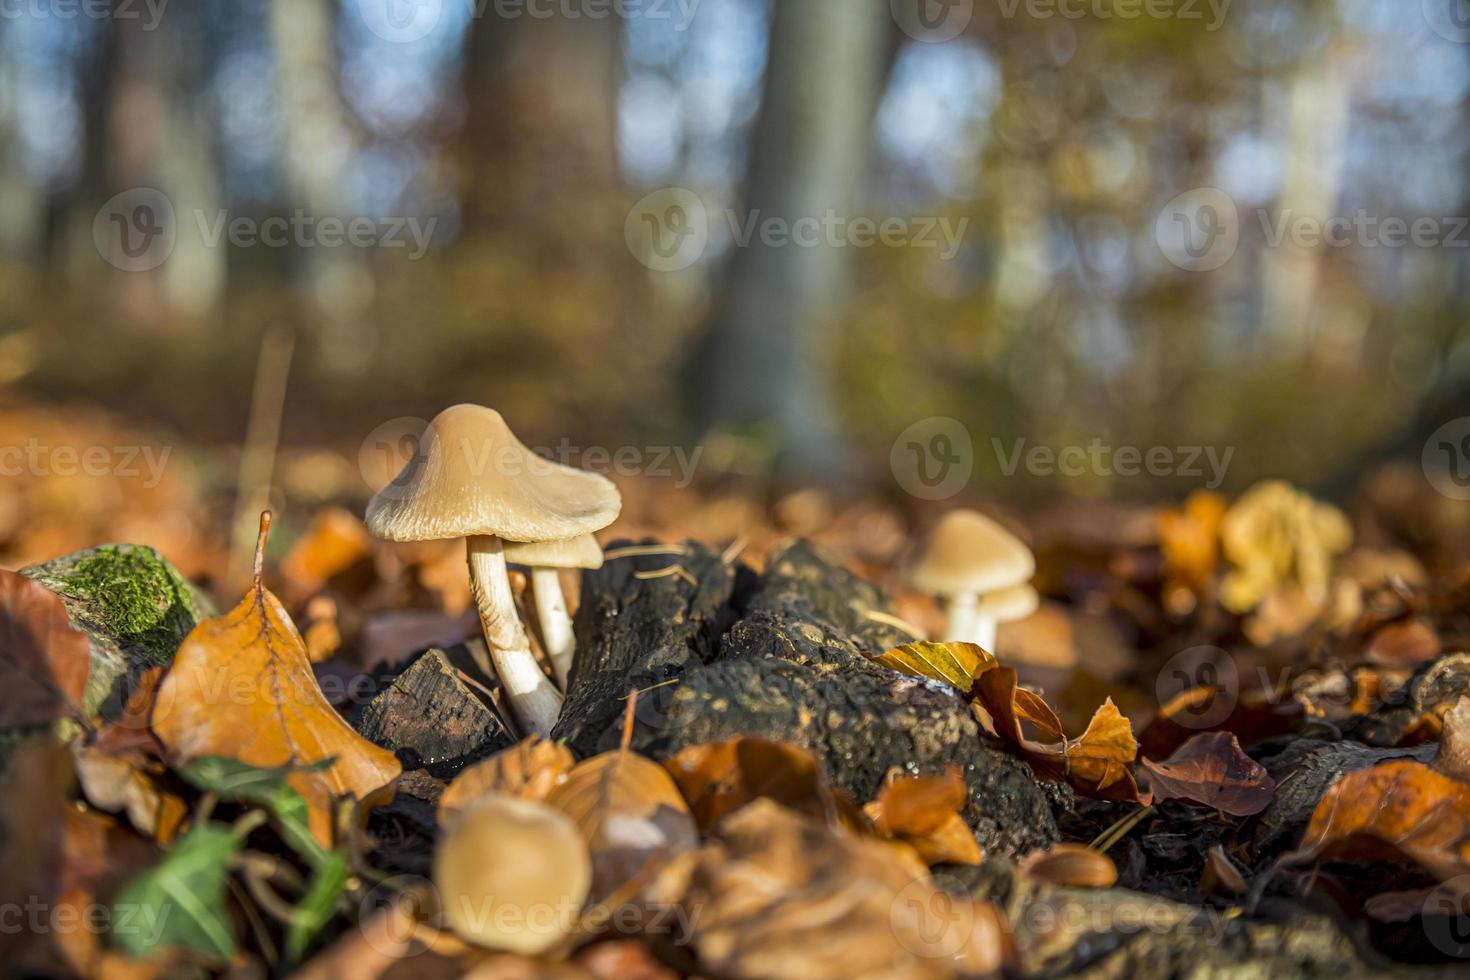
x=629 y=812
x=1399 y=810
x=1409 y=641
x=43 y=658
x=956 y=664
x=531 y=769
x=718 y=777
x=1221 y=876
x=777 y=895
x=1210 y=769
x=1453 y=757
x=124 y=782
x=924 y=813
x=1071 y=866
x=241 y=686
x=1095 y=764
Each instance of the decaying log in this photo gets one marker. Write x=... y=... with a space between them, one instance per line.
x=780 y=655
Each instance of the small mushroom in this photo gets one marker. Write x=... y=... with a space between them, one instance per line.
x=979 y=570
x=512 y=875
x=472 y=478
x=544 y=558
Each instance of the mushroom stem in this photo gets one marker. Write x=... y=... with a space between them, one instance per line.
x=556 y=624
x=534 y=700
x=966 y=624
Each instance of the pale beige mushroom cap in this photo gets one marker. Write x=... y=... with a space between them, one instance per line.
x=1006 y=605
x=582 y=551
x=966 y=553
x=512 y=874
x=472 y=476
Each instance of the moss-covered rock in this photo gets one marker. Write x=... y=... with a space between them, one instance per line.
x=134 y=605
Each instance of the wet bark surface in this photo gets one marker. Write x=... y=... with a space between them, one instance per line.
x=719 y=651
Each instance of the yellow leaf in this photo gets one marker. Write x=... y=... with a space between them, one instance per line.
x=956 y=664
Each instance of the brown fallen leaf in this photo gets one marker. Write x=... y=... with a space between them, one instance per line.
x=718 y=777
x=1250 y=716
x=1210 y=769
x=956 y=664
x=924 y=813
x=241 y=686
x=1071 y=866
x=530 y=770
x=43 y=659
x=1396 y=811
x=1453 y=757
x=1095 y=764
x=777 y=895
x=630 y=813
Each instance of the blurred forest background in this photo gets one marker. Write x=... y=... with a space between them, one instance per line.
x=523 y=135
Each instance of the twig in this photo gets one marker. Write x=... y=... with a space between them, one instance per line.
x=1120 y=829
x=262 y=437
x=732 y=550
x=257 y=925
x=635 y=550
x=678 y=570
x=900 y=624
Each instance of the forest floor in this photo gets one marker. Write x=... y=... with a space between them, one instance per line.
x=1232 y=740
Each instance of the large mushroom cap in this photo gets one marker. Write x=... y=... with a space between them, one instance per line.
x=967 y=552
x=512 y=874
x=472 y=476
x=582 y=551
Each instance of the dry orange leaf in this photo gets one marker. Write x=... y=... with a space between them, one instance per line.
x=335 y=541
x=43 y=658
x=924 y=812
x=530 y=770
x=1095 y=764
x=719 y=777
x=1397 y=810
x=1071 y=866
x=1210 y=769
x=241 y=686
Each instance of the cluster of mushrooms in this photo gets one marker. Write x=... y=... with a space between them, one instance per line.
x=472 y=478
x=513 y=874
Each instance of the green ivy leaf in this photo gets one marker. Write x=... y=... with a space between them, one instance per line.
x=240 y=782
x=317 y=906
x=180 y=901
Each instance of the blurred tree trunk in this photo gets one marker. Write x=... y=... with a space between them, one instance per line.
x=320 y=143
x=540 y=114
x=21 y=214
x=149 y=126
x=763 y=360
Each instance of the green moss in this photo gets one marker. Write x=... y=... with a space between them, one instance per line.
x=128 y=594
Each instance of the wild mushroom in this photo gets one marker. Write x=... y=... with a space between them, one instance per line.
x=968 y=558
x=472 y=478
x=544 y=558
x=512 y=874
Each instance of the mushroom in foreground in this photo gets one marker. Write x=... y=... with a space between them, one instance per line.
x=472 y=478
x=544 y=558
x=979 y=570
x=512 y=875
